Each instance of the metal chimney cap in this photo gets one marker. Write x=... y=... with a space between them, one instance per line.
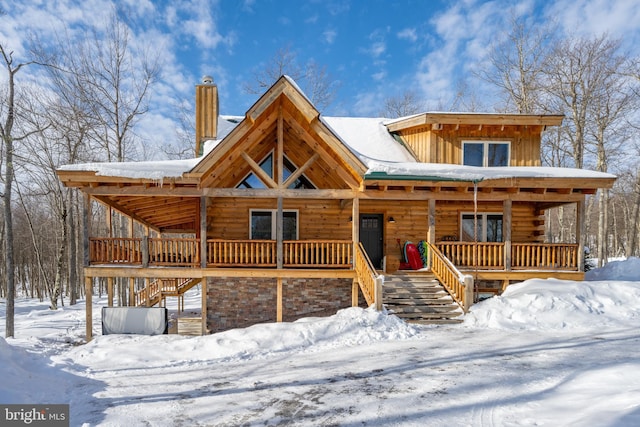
x=207 y=80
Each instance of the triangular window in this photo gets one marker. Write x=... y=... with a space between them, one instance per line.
x=252 y=180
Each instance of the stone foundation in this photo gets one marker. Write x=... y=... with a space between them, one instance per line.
x=238 y=302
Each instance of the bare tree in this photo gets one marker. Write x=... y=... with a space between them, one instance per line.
x=574 y=72
x=612 y=103
x=633 y=72
x=516 y=65
x=102 y=88
x=313 y=78
x=10 y=114
x=402 y=105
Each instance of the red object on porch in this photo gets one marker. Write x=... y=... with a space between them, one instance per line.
x=413 y=256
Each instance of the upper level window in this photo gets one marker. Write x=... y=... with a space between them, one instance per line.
x=252 y=180
x=485 y=153
x=489 y=227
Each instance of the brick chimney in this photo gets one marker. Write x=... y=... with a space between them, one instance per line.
x=206 y=112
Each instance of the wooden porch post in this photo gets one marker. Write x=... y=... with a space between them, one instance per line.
x=88 y=290
x=580 y=211
x=145 y=251
x=203 y=284
x=204 y=202
x=147 y=282
x=431 y=223
x=203 y=231
x=280 y=181
x=355 y=237
x=506 y=232
x=378 y=294
x=109 y=219
x=88 y=282
x=86 y=214
x=110 y=291
x=355 y=227
x=355 y=302
x=279 y=235
x=132 y=292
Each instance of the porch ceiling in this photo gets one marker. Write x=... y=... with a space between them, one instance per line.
x=161 y=213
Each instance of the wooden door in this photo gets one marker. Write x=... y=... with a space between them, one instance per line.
x=371 y=237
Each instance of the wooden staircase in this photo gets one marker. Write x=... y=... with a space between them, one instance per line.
x=419 y=298
x=159 y=289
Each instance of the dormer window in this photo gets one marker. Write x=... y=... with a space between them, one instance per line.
x=485 y=153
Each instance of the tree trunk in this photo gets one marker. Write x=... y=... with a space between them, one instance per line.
x=57 y=284
x=602 y=228
x=8 y=235
x=73 y=252
x=633 y=224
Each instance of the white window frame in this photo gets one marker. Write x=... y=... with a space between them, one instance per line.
x=483 y=218
x=274 y=215
x=485 y=150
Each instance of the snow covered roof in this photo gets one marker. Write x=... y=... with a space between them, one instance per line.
x=372 y=141
x=368 y=138
x=448 y=172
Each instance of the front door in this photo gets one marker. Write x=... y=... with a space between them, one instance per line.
x=371 y=237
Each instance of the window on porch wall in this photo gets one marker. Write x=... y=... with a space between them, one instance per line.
x=263 y=225
x=489 y=227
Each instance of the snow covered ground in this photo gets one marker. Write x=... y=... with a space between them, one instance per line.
x=547 y=352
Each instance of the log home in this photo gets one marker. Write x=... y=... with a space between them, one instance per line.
x=284 y=213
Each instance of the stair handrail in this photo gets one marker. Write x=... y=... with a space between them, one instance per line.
x=459 y=285
x=369 y=281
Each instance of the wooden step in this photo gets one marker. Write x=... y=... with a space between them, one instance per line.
x=420 y=299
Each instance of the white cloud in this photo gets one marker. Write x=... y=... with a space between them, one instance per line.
x=247 y=5
x=464 y=34
x=379 y=76
x=409 y=34
x=368 y=104
x=330 y=35
x=377 y=49
x=313 y=19
x=619 y=18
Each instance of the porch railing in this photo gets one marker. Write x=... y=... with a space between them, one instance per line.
x=230 y=253
x=174 y=252
x=524 y=256
x=115 y=250
x=463 y=254
x=369 y=281
x=544 y=256
x=318 y=253
x=296 y=253
x=459 y=286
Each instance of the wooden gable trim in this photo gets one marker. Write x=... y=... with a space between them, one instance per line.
x=284 y=91
x=266 y=179
x=292 y=178
x=348 y=175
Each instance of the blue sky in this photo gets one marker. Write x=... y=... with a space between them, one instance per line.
x=374 y=49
